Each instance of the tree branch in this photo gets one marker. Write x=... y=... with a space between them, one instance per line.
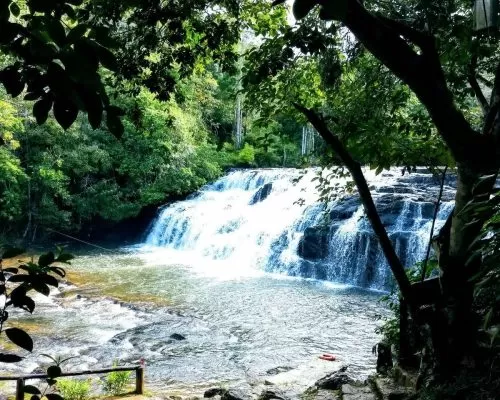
x=492 y=120
x=472 y=78
x=366 y=198
x=422 y=39
x=434 y=217
x=481 y=98
x=422 y=73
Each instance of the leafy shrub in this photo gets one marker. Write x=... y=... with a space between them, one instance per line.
x=74 y=389
x=116 y=382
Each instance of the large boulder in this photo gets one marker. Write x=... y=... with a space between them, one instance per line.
x=314 y=244
x=335 y=380
x=262 y=193
x=228 y=394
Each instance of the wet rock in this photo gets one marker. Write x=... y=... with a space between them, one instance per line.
x=322 y=394
x=270 y=394
x=236 y=394
x=228 y=394
x=212 y=392
x=335 y=380
x=353 y=392
x=261 y=194
x=177 y=336
x=278 y=370
x=314 y=244
x=389 y=390
x=384 y=357
x=345 y=208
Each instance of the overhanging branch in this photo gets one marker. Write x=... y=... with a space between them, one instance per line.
x=472 y=79
x=422 y=39
x=421 y=72
x=366 y=198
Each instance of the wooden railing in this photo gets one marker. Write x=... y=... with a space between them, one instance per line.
x=139 y=378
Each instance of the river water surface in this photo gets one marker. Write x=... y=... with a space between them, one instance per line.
x=238 y=323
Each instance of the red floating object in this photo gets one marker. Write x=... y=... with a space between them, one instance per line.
x=328 y=357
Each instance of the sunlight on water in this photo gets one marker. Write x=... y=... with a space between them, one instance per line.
x=218 y=269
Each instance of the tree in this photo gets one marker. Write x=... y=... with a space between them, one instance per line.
x=412 y=51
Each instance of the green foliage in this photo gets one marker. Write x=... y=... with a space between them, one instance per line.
x=74 y=389
x=15 y=285
x=116 y=382
x=67 y=54
x=389 y=328
x=487 y=280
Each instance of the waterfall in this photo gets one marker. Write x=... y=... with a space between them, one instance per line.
x=269 y=219
x=307 y=145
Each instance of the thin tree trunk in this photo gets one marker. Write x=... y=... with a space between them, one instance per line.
x=431 y=234
x=354 y=168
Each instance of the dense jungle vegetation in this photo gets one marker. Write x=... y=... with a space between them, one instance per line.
x=63 y=179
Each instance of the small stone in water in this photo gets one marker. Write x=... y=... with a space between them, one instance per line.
x=177 y=336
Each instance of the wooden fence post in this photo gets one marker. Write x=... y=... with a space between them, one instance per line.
x=20 y=389
x=139 y=380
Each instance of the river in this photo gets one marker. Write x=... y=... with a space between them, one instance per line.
x=238 y=325
x=246 y=276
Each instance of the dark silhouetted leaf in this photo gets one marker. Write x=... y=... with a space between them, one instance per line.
x=115 y=125
x=30 y=389
x=11 y=270
x=19 y=278
x=9 y=358
x=15 y=10
x=54 y=371
x=56 y=31
x=77 y=32
x=41 y=287
x=115 y=111
x=70 y=11
x=59 y=271
x=41 y=110
x=17 y=295
x=50 y=280
x=46 y=259
x=65 y=257
x=20 y=338
x=106 y=58
x=32 y=96
x=28 y=304
x=54 y=396
x=65 y=112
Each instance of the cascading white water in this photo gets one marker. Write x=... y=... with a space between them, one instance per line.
x=269 y=219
